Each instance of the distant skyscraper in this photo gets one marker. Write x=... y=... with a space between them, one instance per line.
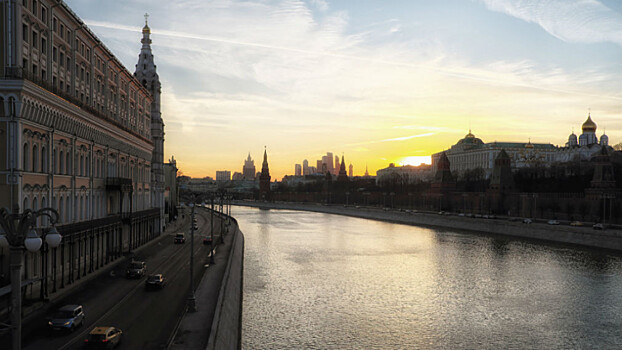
x=325 y=167
x=298 y=170
x=337 y=166
x=318 y=166
x=248 y=171
x=305 y=167
x=350 y=170
x=329 y=162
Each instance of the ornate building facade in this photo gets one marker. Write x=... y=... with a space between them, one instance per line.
x=471 y=152
x=78 y=133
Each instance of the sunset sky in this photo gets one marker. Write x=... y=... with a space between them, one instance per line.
x=379 y=81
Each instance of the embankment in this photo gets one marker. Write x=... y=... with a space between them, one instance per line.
x=585 y=236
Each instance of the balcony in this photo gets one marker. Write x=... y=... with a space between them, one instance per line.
x=119 y=184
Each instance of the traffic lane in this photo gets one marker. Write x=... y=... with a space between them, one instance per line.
x=99 y=295
x=148 y=318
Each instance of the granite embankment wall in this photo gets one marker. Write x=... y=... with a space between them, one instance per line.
x=227 y=325
x=586 y=236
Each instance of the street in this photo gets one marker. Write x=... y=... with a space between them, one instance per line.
x=147 y=318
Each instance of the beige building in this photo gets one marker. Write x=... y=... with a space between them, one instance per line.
x=78 y=133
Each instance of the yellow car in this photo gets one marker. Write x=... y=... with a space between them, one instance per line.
x=103 y=337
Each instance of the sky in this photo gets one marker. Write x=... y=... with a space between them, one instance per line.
x=376 y=81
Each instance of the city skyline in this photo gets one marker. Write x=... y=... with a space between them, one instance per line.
x=383 y=83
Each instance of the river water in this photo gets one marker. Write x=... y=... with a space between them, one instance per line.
x=320 y=281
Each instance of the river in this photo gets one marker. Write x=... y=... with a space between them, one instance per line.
x=321 y=281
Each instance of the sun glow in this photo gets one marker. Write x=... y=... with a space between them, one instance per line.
x=416 y=160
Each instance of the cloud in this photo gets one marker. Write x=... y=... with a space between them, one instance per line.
x=580 y=21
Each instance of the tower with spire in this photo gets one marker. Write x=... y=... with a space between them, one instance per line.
x=343 y=175
x=264 y=178
x=147 y=75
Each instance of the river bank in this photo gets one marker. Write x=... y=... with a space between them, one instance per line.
x=585 y=235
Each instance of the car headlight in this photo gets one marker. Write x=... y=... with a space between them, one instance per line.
x=50 y=323
x=67 y=323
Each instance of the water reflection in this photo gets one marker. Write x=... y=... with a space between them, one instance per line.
x=318 y=281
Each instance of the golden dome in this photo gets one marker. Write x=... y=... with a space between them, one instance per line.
x=469 y=135
x=589 y=125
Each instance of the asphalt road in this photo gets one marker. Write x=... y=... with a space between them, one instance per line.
x=147 y=318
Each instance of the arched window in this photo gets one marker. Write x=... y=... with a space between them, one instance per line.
x=61 y=163
x=55 y=160
x=68 y=208
x=26 y=204
x=87 y=167
x=44 y=204
x=35 y=158
x=61 y=209
x=26 y=160
x=81 y=209
x=68 y=170
x=81 y=171
x=44 y=160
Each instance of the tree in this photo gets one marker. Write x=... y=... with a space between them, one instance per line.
x=618 y=146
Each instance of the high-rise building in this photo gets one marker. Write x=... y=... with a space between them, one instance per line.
x=329 y=163
x=318 y=166
x=305 y=167
x=223 y=175
x=81 y=135
x=248 y=171
x=350 y=170
x=298 y=170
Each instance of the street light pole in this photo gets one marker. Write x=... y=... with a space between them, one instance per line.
x=191 y=299
x=19 y=232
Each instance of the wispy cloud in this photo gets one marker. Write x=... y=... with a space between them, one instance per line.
x=582 y=21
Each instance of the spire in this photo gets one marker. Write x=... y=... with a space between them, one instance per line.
x=146 y=68
x=264 y=166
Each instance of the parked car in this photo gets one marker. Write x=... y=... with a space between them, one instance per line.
x=136 y=269
x=104 y=337
x=195 y=226
x=526 y=221
x=155 y=282
x=553 y=222
x=207 y=240
x=576 y=223
x=180 y=238
x=598 y=226
x=67 y=318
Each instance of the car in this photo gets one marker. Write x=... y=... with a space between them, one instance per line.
x=207 y=240
x=576 y=223
x=67 y=318
x=180 y=238
x=441 y=213
x=136 y=269
x=103 y=337
x=461 y=214
x=553 y=222
x=526 y=221
x=598 y=226
x=195 y=227
x=155 y=282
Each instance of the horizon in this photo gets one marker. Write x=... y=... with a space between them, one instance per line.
x=381 y=83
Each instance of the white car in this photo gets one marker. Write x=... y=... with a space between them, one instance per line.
x=553 y=222
x=526 y=221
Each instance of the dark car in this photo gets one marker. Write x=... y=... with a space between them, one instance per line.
x=103 y=337
x=155 y=282
x=180 y=238
x=67 y=318
x=207 y=240
x=136 y=269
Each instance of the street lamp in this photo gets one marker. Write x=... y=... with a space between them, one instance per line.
x=191 y=298
x=19 y=232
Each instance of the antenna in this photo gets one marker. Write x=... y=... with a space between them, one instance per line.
x=146 y=17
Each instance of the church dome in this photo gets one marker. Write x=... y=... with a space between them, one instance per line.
x=589 y=125
x=572 y=140
x=604 y=140
x=470 y=139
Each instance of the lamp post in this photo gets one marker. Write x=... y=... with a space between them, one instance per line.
x=191 y=299
x=19 y=232
x=211 y=232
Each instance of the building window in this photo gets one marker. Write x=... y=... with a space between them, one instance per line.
x=26 y=158
x=44 y=14
x=43 y=75
x=62 y=31
x=34 y=39
x=54 y=53
x=44 y=45
x=68 y=164
x=61 y=163
x=44 y=160
x=25 y=33
x=35 y=158
x=54 y=28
